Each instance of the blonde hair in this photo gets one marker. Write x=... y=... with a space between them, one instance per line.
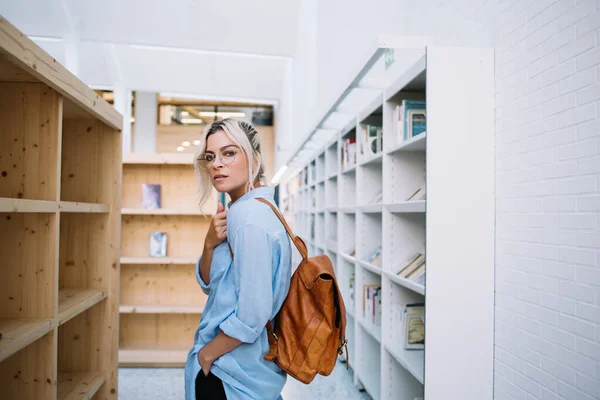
x=245 y=136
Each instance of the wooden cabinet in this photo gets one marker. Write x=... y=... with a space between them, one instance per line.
x=60 y=224
x=161 y=301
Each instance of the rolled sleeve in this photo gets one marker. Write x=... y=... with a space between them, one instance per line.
x=253 y=276
x=205 y=287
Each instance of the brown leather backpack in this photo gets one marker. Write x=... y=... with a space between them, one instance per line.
x=310 y=327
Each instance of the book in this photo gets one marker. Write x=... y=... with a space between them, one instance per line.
x=414 y=327
x=372 y=303
x=419 y=194
x=410 y=265
x=377 y=198
x=416 y=122
x=374 y=256
x=150 y=196
x=158 y=244
x=404 y=122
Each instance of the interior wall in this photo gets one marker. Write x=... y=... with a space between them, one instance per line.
x=547 y=335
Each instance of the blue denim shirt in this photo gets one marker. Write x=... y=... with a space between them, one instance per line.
x=242 y=296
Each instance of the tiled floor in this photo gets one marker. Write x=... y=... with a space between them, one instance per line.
x=167 y=384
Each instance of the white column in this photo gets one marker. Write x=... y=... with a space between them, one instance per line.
x=123 y=105
x=146 y=113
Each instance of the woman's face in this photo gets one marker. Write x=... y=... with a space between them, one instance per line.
x=228 y=169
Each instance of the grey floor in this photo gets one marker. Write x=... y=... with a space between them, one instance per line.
x=167 y=384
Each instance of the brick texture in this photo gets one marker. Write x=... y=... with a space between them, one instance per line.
x=547 y=337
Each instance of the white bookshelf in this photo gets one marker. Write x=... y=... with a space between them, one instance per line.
x=348 y=218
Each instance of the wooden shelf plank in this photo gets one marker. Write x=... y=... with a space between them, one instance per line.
x=77 y=207
x=18 y=333
x=24 y=61
x=79 y=385
x=416 y=206
x=72 y=302
x=415 y=287
x=159 y=309
x=159 y=260
x=158 y=158
x=162 y=211
x=156 y=358
x=27 y=206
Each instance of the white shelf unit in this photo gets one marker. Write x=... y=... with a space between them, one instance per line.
x=444 y=226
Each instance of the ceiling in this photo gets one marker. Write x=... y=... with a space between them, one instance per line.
x=218 y=48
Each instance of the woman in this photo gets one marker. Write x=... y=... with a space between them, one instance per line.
x=244 y=291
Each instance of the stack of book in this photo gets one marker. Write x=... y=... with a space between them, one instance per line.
x=348 y=153
x=410 y=120
x=372 y=303
x=413 y=269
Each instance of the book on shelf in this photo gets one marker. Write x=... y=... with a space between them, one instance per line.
x=372 y=142
x=410 y=265
x=374 y=256
x=377 y=198
x=348 y=156
x=150 y=196
x=414 y=326
x=419 y=194
x=418 y=274
x=372 y=303
x=409 y=119
x=158 y=244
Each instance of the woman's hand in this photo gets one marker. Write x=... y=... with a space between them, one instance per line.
x=217 y=232
x=204 y=361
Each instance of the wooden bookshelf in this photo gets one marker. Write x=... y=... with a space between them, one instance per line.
x=161 y=301
x=381 y=365
x=60 y=190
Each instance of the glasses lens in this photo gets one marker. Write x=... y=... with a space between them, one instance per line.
x=228 y=155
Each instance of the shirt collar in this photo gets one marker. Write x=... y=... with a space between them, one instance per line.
x=266 y=192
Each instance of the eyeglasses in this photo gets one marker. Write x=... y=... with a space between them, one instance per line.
x=226 y=155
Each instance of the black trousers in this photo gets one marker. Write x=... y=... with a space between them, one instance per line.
x=209 y=387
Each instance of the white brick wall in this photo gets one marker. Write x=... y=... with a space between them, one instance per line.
x=547 y=338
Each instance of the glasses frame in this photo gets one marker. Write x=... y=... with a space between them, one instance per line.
x=207 y=163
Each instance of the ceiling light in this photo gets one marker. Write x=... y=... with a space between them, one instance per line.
x=279 y=174
x=196 y=142
x=191 y=121
x=180 y=148
x=185 y=144
x=222 y=114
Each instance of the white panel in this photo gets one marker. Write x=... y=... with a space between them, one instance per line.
x=95 y=67
x=54 y=47
x=259 y=27
x=35 y=17
x=460 y=224
x=190 y=72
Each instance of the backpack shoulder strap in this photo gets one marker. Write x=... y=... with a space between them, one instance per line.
x=298 y=242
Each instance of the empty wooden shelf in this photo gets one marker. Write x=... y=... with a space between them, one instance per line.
x=60 y=190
